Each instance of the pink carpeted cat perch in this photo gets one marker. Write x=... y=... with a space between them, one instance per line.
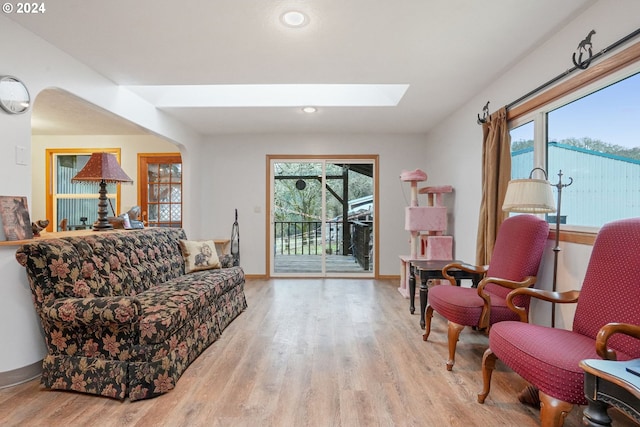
x=430 y=219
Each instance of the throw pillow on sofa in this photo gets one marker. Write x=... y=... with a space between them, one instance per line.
x=199 y=255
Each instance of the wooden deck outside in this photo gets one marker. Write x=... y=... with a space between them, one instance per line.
x=312 y=264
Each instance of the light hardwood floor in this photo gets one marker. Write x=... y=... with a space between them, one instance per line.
x=314 y=352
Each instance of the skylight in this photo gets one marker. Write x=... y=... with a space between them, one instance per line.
x=278 y=95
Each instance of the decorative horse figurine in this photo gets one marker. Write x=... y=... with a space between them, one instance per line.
x=485 y=114
x=584 y=47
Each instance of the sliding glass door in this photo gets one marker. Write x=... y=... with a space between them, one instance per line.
x=322 y=217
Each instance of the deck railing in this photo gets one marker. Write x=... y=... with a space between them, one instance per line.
x=362 y=243
x=305 y=238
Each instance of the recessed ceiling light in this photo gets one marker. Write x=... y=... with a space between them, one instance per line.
x=294 y=19
x=309 y=110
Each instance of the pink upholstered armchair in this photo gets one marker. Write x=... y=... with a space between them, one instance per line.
x=516 y=257
x=607 y=316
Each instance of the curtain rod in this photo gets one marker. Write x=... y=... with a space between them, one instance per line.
x=583 y=47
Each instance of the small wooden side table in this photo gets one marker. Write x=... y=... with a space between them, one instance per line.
x=431 y=270
x=608 y=383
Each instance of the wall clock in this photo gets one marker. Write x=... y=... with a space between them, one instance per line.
x=14 y=96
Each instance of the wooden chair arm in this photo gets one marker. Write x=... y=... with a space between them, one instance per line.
x=477 y=269
x=511 y=284
x=607 y=331
x=557 y=297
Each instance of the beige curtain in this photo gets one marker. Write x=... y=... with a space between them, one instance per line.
x=496 y=173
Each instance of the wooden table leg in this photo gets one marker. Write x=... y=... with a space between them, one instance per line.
x=424 y=294
x=595 y=415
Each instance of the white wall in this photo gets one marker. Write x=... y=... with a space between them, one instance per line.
x=42 y=66
x=234 y=176
x=454 y=148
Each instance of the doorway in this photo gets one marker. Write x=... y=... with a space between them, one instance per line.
x=322 y=216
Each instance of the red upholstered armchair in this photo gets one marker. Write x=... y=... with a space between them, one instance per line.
x=514 y=264
x=607 y=316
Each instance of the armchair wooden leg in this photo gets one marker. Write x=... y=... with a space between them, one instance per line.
x=428 y=314
x=488 y=365
x=553 y=411
x=453 y=335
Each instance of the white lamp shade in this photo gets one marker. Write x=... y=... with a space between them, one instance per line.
x=529 y=196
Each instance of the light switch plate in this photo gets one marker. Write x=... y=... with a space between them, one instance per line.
x=21 y=155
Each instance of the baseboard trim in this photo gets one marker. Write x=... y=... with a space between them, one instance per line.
x=20 y=375
x=380 y=277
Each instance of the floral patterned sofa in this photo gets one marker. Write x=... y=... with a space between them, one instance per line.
x=121 y=318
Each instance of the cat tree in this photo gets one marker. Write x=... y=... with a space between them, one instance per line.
x=426 y=225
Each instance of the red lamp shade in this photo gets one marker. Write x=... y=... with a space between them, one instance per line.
x=102 y=167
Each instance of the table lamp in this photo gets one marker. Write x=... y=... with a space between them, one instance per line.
x=102 y=168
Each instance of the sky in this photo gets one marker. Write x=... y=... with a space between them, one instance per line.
x=611 y=115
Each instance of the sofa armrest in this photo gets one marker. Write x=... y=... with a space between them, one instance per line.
x=96 y=311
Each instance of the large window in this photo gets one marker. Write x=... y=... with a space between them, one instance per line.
x=596 y=141
x=75 y=202
x=522 y=150
x=161 y=189
x=593 y=136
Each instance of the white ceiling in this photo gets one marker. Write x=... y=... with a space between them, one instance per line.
x=445 y=50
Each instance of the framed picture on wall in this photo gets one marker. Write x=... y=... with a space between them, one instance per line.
x=14 y=214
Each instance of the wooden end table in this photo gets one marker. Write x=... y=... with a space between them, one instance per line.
x=432 y=270
x=608 y=383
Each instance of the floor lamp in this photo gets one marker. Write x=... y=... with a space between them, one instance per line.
x=102 y=168
x=534 y=196
x=556 y=249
